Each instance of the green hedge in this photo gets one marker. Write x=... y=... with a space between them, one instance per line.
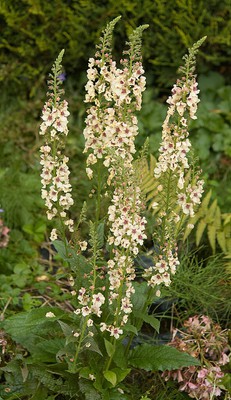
x=32 y=32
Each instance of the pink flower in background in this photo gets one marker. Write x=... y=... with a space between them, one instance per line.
x=4 y=234
x=206 y=341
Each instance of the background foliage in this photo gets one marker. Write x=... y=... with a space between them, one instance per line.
x=34 y=31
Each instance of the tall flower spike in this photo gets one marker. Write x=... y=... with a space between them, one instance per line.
x=56 y=188
x=115 y=94
x=180 y=189
x=111 y=127
x=105 y=46
x=135 y=44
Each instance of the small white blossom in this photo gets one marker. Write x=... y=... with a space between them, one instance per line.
x=50 y=314
x=53 y=235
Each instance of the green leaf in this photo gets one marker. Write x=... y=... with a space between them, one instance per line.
x=67 y=330
x=154 y=322
x=222 y=240
x=88 y=390
x=85 y=372
x=140 y=296
x=109 y=347
x=212 y=237
x=25 y=327
x=119 y=357
x=110 y=376
x=154 y=358
x=93 y=346
x=60 y=248
x=130 y=328
x=121 y=373
x=100 y=235
x=149 y=319
x=200 y=230
x=46 y=350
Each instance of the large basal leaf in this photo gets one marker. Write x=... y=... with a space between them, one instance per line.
x=24 y=327
x=154 y=358
x=88 y=390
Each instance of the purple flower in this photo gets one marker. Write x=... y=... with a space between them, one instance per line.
x=62 y=77
x=1 y=210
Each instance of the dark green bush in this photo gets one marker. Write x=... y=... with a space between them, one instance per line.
x=34 y=31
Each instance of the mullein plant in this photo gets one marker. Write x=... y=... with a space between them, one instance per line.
x=56 y=188
x=108 y=304
x=115 y=94
x=180 y=186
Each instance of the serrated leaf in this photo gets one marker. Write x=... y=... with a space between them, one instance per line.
x=67 y=330
x=24 y=327
x=227 y=218
x=149 y=191
x=187 y=233
x=206 y=200
x=200 y=230
x=228 y=243
x=154 y=358
x=217 y=219
x=222 y=241
x=47 y=350
x=212 y=237
x=153 y=162
x=93 y=346
x=110 y=376
x=89 y=391
x=100 y=235
x=210 y=216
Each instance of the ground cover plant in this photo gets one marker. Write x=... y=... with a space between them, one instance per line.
x=86 y=343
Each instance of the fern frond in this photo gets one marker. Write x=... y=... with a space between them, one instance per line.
x=212 y=232
x=200 y=230
x=222 y=241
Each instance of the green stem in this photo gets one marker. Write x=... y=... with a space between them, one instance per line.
x=80 y=341
x=111 y=357
x=99 y=187
x=163 y=226
x=139 y=320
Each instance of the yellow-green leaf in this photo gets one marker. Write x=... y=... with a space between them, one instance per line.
x=222 y=241
x=227 y=218
x=200 y=230
x=212 y=236
x=206 y=200
x=110 y=376
x=210 y=216
x=217 y=219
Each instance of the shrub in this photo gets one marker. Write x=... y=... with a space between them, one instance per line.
x=33 y=32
